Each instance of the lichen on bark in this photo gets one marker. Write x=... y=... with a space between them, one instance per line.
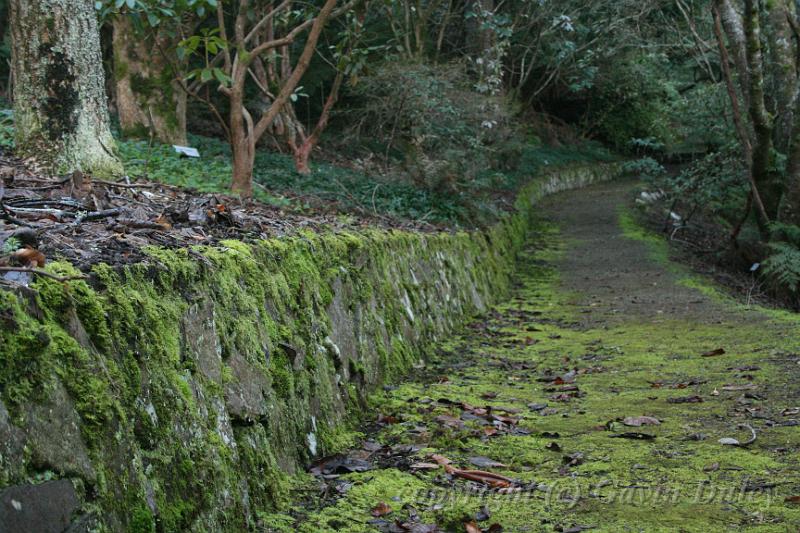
x=60 y=105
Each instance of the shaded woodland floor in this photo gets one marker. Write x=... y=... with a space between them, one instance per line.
x=615 y=391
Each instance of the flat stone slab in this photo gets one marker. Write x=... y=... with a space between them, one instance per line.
x=42 y=508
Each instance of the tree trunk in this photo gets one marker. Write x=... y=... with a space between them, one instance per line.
x=783 y=71
x=734 y=29
x=148 y=96
x=741 y=130
x=60 y=106
x=763 y=125
x=242 y=145
x=302 y=154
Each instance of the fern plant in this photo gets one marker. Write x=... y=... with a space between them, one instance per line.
x=782 y=267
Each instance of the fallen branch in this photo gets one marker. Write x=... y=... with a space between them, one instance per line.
x=142 y=224
x=43 y=273
x=36 y=213
x=134 y=185
x=97 y=215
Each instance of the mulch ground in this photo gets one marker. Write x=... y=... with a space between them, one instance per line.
x=85 y=221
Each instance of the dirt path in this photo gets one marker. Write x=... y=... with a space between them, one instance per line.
x=588 y=399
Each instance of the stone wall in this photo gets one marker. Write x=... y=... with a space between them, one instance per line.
x=181 y=393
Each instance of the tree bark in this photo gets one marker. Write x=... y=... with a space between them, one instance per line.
x=302 y=153
x=790 y=203
x=741 y=130
x=245 y=132
x=149 y=98
x=759 y=116
x=783 y=71
x=734 y=29
x=60 y=106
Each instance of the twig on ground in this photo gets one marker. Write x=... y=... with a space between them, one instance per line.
x=97 y=215
x=134 y=185
x=752 y=431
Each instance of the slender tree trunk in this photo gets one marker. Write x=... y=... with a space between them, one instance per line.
x=741 y=130
x=783 y=70
x=762 y=122
x=790 y=204
x=60 y=106
x=302 y=153
x=734 y=29
x=241 y=146
x=148 y=96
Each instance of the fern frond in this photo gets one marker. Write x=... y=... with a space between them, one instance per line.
x=782 y=267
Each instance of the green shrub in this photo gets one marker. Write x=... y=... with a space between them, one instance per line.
x=646 y=167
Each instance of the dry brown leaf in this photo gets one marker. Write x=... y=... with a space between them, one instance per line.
x=30 y=257
x=440 y=459
x=163 y=221
x=382 y=509
x=472 y=527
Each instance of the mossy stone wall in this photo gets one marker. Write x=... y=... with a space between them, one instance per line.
x=182 y=392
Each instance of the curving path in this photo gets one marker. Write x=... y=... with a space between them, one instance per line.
x=595 y=399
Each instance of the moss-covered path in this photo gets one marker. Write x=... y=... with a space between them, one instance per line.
x=598 y=394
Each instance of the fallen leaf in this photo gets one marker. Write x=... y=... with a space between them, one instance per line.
x=633 y=436
x=553 y=447
x=424 y=466
x=748 y=386
x=685 y=399
x=472 y=527
x=339 y=465
x=792 y=499
x=727 y=441
x=449 y=421
x=387 y=420
x=713 y=467
x=714 y=353
x=29 y=257
x=638 y=421
x=440 y=459
x=163 y=221
x=381 y=510
x=483 y=514
x=485 y=462
x=561 y=397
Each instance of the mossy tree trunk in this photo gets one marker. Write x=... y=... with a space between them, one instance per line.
x=148 y=96
x=734 y=29
x=763 y=124
x=60 y=105
x=783 y=54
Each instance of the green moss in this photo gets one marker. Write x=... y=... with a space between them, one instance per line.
x=142 y=521
x=660 y=485
x=282 y=376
